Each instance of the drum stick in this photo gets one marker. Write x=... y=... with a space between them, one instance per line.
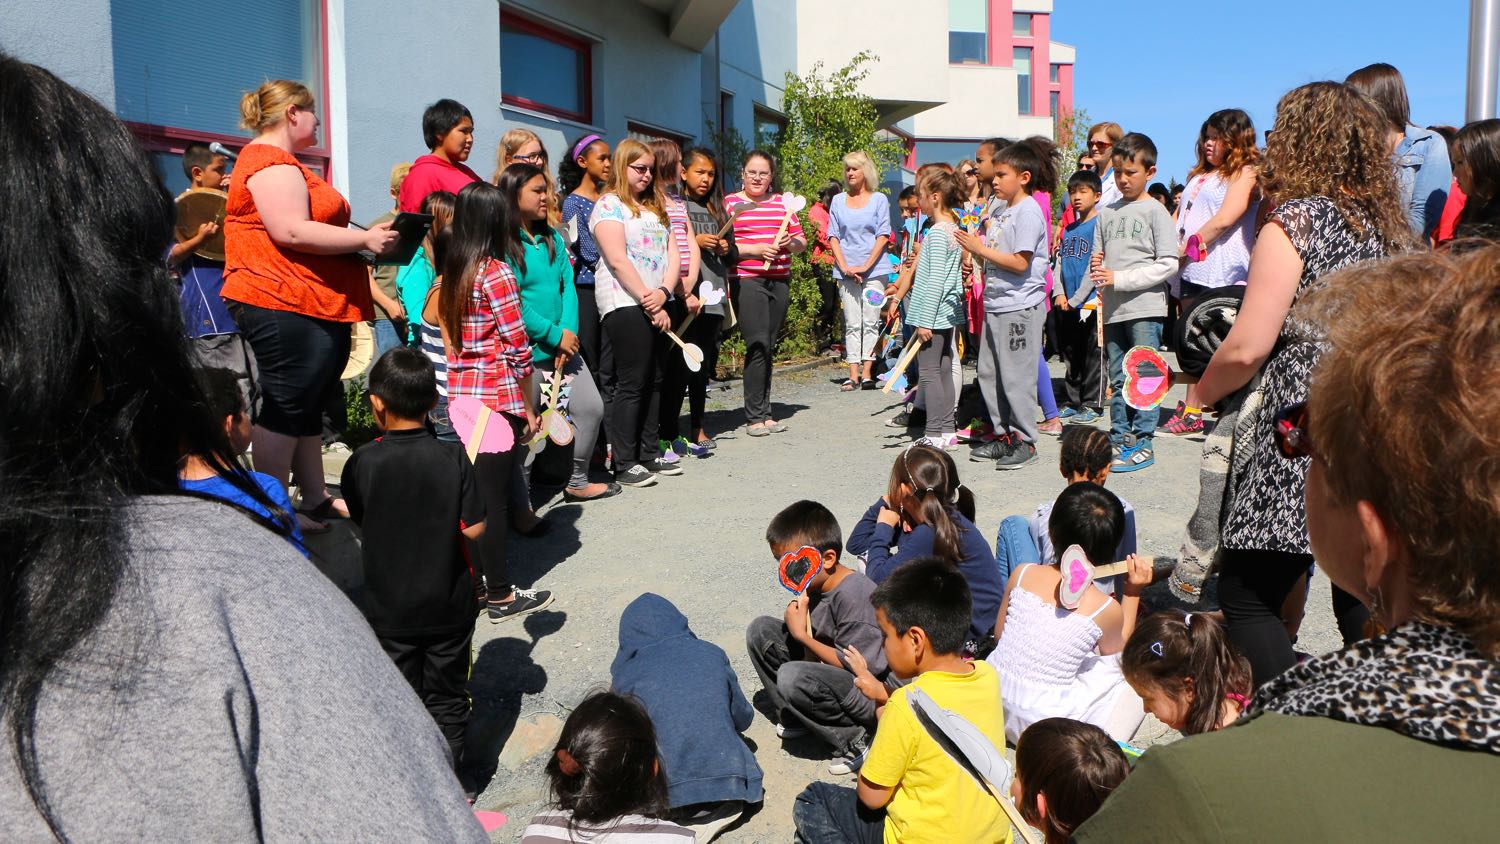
x=901 y=364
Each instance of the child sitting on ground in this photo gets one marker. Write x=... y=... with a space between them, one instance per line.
x=694 y=698
x=1065 y=770
x=1060 y=662
x=910 y=789
x=1187 y=672
x=415 y=499
x=1085 y=457
x=924 y=492
x=606 y=779
x=799 y=657
x=234 y=484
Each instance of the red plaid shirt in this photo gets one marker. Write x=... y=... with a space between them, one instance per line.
x=495 y=354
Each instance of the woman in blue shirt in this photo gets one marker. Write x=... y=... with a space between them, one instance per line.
x=858 y=232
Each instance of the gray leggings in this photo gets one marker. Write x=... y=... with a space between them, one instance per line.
x=585 y=408
x=935 y=365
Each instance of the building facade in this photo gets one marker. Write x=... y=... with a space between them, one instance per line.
x=946 y=76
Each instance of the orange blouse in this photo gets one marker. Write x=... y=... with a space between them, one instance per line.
x=259 y=272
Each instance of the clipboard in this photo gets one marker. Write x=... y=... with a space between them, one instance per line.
x=411 y=228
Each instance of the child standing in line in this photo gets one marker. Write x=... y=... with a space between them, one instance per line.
x=415 y=499
x=1135 y=255
x=684 y=302
x=1065 y=770
x=606 y=779
x=1015 y=253
x=910 y=789
x=1060 y=662
x=800 y=657
x=936 y=306
x=1077 y=310
x=226 y=403
x=414 y=280
x=1187 y=672
x=394 y=321
x=705 y=208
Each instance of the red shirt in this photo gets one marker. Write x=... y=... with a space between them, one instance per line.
x=495 y=353
x=430 y=173
x=759 y=225
x=1454 y=207
x=259 y=272
x=822 y=252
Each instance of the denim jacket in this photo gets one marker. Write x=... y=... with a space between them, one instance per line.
x=1424 y=173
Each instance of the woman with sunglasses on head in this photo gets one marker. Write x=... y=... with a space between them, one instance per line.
x=764 y=270
x=1327 y=169
x=1101 y=148
x=1396 y=738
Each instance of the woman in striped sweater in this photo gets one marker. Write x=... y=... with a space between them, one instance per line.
x=936 y=304
x=763 y=289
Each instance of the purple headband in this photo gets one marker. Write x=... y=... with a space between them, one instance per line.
x=583 y=144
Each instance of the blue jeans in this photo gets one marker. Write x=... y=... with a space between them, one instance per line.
x=1119 y=338
x=825 y=813
x=386 y=337
x=1014 y=547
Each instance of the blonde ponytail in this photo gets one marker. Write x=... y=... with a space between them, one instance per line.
x=266 y=106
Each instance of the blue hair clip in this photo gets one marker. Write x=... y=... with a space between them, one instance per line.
x=1156 y=648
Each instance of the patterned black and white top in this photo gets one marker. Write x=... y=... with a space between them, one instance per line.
x=1268 y=512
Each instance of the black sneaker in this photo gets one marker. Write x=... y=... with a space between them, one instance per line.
x=661 y=467
x=524 y=602
x=998 y=449
x=900 y=420
x=1023 y=454
x=918 y=417
x=850 y=761
x=637 y=476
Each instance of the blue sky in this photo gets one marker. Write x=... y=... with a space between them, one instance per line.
x=1152 y=67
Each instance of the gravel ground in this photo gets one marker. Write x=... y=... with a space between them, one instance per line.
x=697 y=539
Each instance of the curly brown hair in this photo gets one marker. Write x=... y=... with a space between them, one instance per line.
x=1330 y=141
x=1417 y=327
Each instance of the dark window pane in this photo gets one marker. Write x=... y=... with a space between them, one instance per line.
x=966 y=48
x=542 y=71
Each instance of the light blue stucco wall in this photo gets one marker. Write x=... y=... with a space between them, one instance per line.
x=71 y=38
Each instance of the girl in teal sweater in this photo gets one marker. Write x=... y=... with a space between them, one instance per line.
x=549 y=308
x=936 y=305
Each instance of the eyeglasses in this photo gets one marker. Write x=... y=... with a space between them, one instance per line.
x=1293 y=433
x=640 y=169
x=531 y=157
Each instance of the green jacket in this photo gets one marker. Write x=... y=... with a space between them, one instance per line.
x=549 y=302
x=1285 y=778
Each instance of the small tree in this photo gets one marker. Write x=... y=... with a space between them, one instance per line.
x=1070 y=128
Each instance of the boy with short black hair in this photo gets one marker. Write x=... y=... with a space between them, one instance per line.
x=1075 y=310
x=910 y=788
x=415 y=499
x=448 y=131
x=216 y=340
x=1134 y=256
x=806 y=658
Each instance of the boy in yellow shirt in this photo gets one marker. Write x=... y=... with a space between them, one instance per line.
x=910 y=788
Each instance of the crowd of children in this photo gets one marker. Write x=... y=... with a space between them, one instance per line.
x=620 y=285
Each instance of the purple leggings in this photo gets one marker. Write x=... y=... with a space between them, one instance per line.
x=1044 y=389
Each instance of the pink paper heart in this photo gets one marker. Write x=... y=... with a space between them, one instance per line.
x=1078 y=575
x=490 y=821
x=1150 y=385
x=463 y=414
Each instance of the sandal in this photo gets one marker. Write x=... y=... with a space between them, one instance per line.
x=849 y=385
x=323 y=511
x=601 y=491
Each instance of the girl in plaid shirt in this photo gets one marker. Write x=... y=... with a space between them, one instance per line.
x=489 y=358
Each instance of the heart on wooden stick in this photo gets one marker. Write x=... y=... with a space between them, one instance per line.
x=709 y=295
x=478 y=427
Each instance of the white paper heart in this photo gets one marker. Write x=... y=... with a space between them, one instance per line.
x=708 y=295
x=794 y=203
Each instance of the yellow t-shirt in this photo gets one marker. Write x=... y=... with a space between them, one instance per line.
x=935 y=799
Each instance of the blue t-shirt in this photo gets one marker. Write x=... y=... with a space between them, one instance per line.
x=1073 y=256
x=203 y=311
x=225 y=491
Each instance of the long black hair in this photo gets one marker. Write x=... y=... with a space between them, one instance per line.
x=605 y=764
x=97 y=396
x=481 y=217
x=513 y=245
x=714 y=201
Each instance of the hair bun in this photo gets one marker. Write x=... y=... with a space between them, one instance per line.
x=250 y=111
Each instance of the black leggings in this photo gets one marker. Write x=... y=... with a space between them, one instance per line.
x=677 y=379
x=493 y=473
x=631 y=416
x=1253 y=585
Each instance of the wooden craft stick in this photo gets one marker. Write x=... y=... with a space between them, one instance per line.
x=480 y=424
x=1112 y=569
x=735 y=215
x=780 y=233
x=902 y=364
x=1023 y=830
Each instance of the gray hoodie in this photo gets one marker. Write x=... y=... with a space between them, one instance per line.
x=1139 y=243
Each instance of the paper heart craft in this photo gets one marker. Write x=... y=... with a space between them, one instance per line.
x=709 y=295
x=465 y=412
x=875 y=298
x=794 y=203
x=1147 y=378
x=797 y=568
x=1077 y=574
x=558 y=428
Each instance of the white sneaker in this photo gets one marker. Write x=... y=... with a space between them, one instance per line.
x=934 y=442
x=791 y=731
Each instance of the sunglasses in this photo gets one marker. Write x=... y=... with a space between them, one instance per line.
x=639 y=168
x=1293 y=437
x=1099 y=144
x=971 y=172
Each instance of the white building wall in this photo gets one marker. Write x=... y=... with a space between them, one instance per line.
x=71 y=38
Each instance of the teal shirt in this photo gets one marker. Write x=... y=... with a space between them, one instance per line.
x=549 y=302
x=412 y=283
x=936 y=300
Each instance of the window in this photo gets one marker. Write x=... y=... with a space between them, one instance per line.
x=768 y=129
x=172 y=96
x=726 y=112
x=1054 y=100
x=545 y=69
x=1020 y=25
x=1052 y=72
x=646 y=134
x=968 y=32
x=1021 y=61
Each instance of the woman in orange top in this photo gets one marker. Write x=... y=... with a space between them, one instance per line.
x=293 y=286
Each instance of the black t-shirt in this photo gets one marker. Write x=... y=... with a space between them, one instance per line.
x=412 y=494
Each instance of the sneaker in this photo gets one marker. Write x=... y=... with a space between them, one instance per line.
x=850 y=761
x=791 y=731
x=636 y=476
x=997 y=450
x=931 y=442
x=667 y=454
x=1087 y=416
x=975 y=431
x=1022 y=454
x=950 y=442
x=1134 y=458
x=524 y=602
x=1185 y=423
x=1052 y=427
x=900 y=420
x=1066 y=413
x=682 y=447
x=663 y=466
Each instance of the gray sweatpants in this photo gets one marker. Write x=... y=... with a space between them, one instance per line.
x=1007 y=369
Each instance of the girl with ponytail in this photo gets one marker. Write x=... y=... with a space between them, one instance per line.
x=1186 y=671
x=925 y=496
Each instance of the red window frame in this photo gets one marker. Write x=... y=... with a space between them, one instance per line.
x=585 y=49
x=156 y=138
